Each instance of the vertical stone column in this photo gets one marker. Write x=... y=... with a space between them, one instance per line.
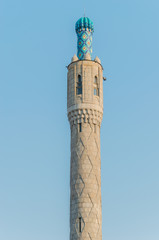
x=85 y=113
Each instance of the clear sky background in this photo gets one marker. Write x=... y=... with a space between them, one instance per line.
x=37 y=41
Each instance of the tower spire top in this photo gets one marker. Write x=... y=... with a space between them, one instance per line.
x=84 y=29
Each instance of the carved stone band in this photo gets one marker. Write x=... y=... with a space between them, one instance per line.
x=85 y=115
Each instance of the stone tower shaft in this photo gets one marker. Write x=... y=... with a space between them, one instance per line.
x=85 y=111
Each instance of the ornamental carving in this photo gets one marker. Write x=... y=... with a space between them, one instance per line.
x=85 y=115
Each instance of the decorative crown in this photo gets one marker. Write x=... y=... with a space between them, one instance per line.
x=84 y=23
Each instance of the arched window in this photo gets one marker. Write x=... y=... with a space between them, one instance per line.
x=96 y=87
x=95 y=79
x=79 y=85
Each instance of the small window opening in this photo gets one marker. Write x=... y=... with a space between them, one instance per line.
x=80 y=225
x=80 y=127
x=96 y=87
x=95 y=91
x=79 y=85
x=95 y=80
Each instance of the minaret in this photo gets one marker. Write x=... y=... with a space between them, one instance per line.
x=85 y=111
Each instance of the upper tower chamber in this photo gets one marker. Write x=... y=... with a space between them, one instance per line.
x=85 y=76
x=84 y=29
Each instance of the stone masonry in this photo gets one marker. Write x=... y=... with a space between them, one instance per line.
x=85 y=111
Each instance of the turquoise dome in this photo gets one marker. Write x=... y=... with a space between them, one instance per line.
x=84 y=22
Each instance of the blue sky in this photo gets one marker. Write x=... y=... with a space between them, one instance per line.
x=37 y=42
